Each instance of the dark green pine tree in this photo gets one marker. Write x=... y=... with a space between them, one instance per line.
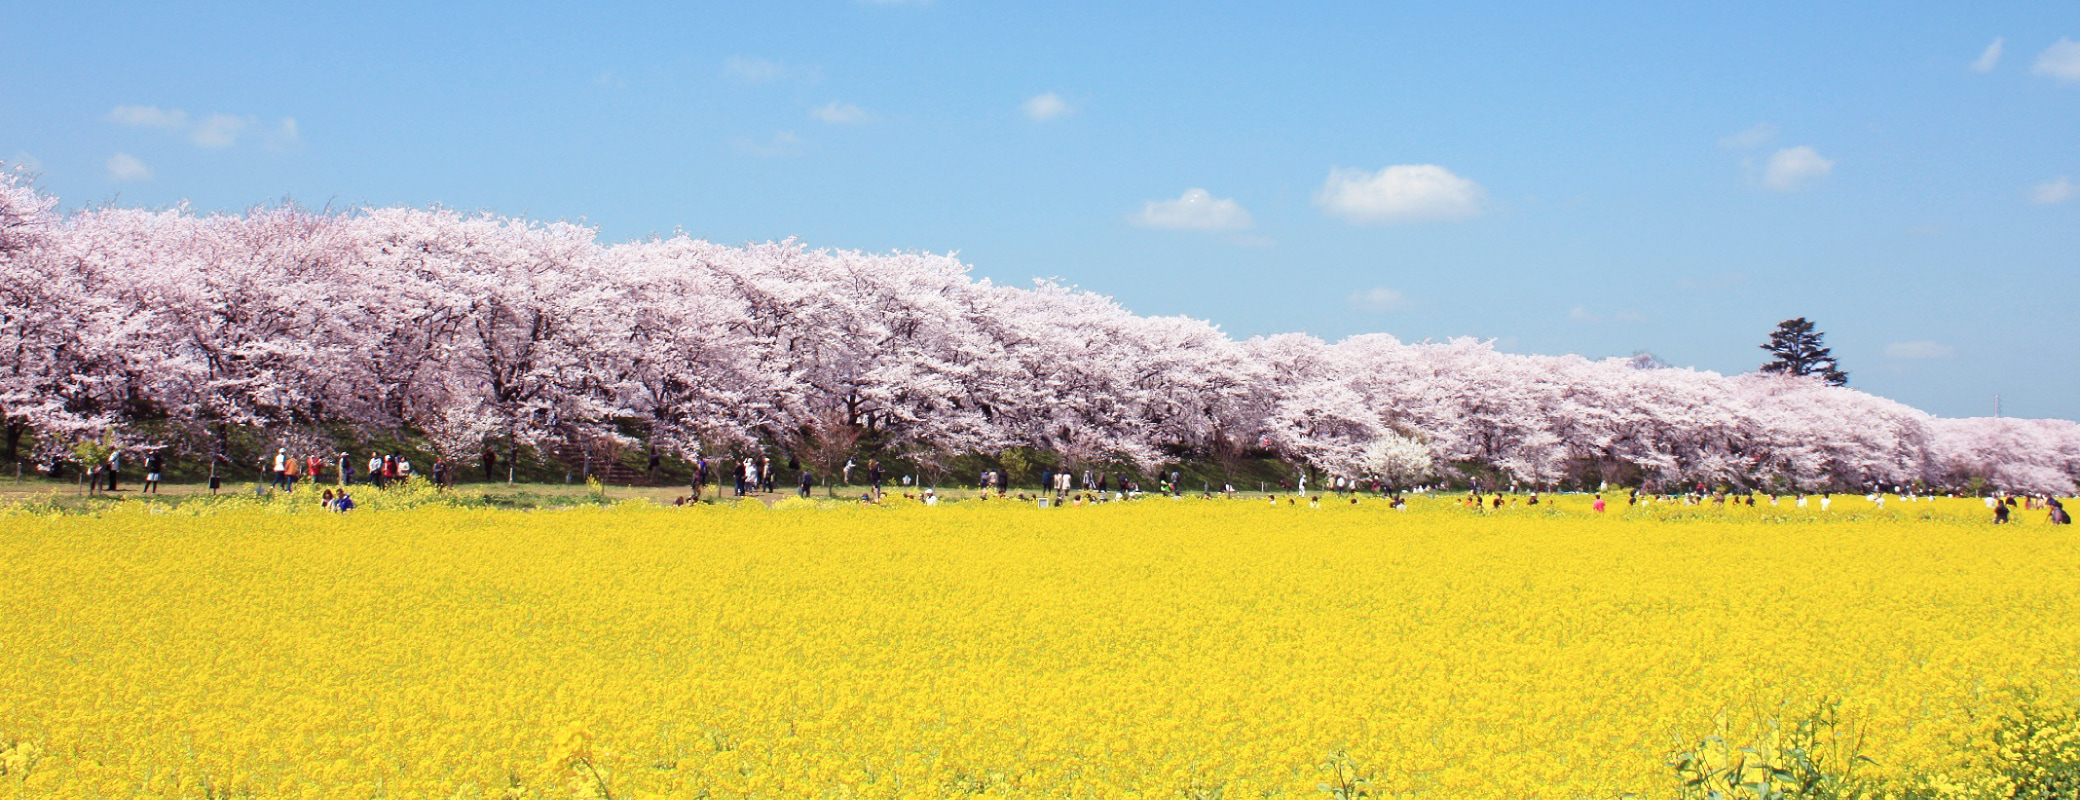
x=1798 y=351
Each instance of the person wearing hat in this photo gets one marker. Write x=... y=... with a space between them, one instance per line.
x=281 y=467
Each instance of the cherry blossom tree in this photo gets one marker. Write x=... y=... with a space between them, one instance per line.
x=156 y=327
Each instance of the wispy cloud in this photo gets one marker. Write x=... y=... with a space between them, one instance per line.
x=779 y=144
x=765 y=70
x=1763 y=133
x=1398 y=194
x=837 y=113
x=2056 y=190
x=126 y=167
x=218 y=130
x=149 y=117
x=2060 y=62
x=1918 y=351
x=1379 y=300
x=1989 y=57
x=1047 y=106
x=215 y=131
x=1197 y=210
x=1794 y=168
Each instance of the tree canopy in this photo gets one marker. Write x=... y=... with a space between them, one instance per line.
x=1799 y=351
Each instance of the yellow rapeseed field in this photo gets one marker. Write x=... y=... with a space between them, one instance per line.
x=1161 y=648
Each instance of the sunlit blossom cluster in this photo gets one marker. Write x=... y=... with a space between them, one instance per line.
x=171 y=328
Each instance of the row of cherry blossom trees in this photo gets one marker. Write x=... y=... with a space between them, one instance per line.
x=169 y=327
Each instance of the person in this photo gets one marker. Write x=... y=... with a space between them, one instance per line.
x=440 y=473
x=748 y=482
x=2000 y=514
x=1598 y=505
x=346 y=468
x=115 y=465
x=2058 y=511
x=326 y=500
x=291 y=470
x=154 y=466
x=343 y=503
x=874 y=476
x=313 y=467
x=490 y=459
x=1533 y=501
x=846 y=476
x=700 y=476
x=375 y=470
x=281 y=467
x=765 y=473
x=1498 y=500
x=807 y=482
x=404 y=469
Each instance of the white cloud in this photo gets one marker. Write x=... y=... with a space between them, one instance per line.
x=2061 y=61
x=126 y=167
x=288 y=132
x=214 y=131
x=1046 y=107
x=149 y=117
x=782 y=143
x=1918 y=350
x=218 y=130
x=1990 y=57
x=837 y=113
x=754 y=70
x=1379 y=300
x=1196 y=210
x=1795 y=168
x=1762 y=134
x=2053 y=191
x=1401 y=193
x=1581 y=314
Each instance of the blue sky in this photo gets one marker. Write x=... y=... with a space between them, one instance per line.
x=1561 y=178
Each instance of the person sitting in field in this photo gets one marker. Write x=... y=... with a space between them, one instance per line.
x=2000 y=514
x=2058 y=512
x=343 y=503
x=1598 y=505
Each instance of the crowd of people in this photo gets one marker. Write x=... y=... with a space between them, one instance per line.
x=284 y=470
x=1058 y=485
